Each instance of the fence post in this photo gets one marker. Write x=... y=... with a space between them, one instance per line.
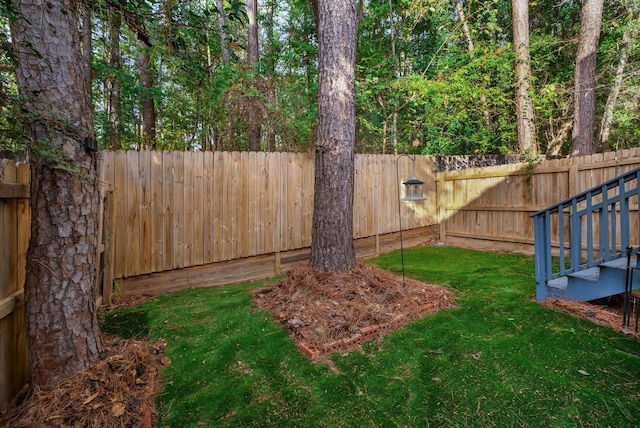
x=440 y=208
x=109 y=235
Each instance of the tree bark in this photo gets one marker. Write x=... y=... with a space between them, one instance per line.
x=607 y=117
x=271 y=59
x=62 y=327
x=524 y=105
x=585 y=79
x=87 y=46
x=252 y=60
x=112 y=82
x=332 y=232
x=146 y=99
x=224 y=47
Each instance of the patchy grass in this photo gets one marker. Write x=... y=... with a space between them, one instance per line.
x=498 y=359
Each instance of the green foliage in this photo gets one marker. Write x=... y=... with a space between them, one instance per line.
x=431 y=97
x=10 y=124
x=499 y=359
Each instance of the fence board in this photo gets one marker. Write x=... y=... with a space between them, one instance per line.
x=177 y=218
x=168 y=255
x=283 y=192
x=15 y=218
x=207 y=212
x=242 y=231
x=145 y=192
x=189 y=203
x=218 y=200
x=133 y=214
x=253 y=203
x=156 y=211
x=272 y=184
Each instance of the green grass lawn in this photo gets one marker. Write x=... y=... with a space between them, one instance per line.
x=499 y=359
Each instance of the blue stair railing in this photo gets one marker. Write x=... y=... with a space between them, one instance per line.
x=586 y=230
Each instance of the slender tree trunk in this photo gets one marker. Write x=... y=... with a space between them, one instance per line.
x=332 y=232
x=472 y=52
x=270 y=58
x=252 y=59
x=396 y=74
x=62 y=327
x=146 y=99
x=112 y=82
x=524 y=105
x=585 y=79
x=607 y=117
x=224 y=46
x=385 y=123
x=465 y=28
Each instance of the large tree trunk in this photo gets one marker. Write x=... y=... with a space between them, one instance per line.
x=252 y=60
x=332 y=233
x=63 y=332
x=524 y=106
x=607 y=117
x=584 y=115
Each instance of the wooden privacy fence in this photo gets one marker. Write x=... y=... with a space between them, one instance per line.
x=15 y=219
x=174 y=210
x=489 y=208
x=169 y=210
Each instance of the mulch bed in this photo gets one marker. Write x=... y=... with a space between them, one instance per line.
x=326 y=313
x=606 y=312
x=117 y=391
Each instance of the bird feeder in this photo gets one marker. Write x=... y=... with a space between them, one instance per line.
x=413 y=190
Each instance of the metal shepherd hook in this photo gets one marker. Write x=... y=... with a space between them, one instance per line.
x=400 y=211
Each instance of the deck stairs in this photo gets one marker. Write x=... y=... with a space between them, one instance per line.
x=587 y=246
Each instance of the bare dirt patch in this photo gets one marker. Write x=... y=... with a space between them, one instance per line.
x=117 y=391
x=328 y=313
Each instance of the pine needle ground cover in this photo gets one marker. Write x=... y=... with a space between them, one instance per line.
x=496 y=359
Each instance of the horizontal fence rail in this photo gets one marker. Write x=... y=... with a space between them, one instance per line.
x=490 y=208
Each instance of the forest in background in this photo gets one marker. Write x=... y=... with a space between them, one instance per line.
x=433 y=77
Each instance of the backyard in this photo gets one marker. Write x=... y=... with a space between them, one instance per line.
x=496 y=358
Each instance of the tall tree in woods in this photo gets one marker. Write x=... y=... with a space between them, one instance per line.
x=113 y=87
x=224 y=47
x=63 y=332
x=252 y=61
x=524 y=105
x=472 y=53
x=584 y=115
x=607 y=117
x=147 y=102
x=332 y=231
